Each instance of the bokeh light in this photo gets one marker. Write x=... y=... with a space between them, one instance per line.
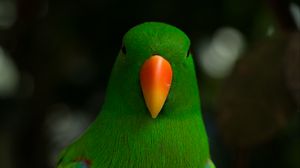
x=218 y=56
x=295 y=11
x=64 y=125
x=9 y=75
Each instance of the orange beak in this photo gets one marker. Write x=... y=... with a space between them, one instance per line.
x=155 y=78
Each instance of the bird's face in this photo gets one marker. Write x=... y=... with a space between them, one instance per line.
x=157 y=57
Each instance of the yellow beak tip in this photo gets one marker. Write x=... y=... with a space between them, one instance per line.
x=154 y=110
x=154 y=115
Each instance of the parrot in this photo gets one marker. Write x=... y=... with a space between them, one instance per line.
x=151 y=115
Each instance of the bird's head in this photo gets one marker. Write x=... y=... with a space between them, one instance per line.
x=155 y=66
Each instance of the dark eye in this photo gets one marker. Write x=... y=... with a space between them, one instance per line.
x=189 y=52
x=123 y=49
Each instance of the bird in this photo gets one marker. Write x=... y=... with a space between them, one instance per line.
x=151 y=115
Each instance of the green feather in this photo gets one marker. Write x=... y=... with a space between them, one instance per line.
x=124 y=134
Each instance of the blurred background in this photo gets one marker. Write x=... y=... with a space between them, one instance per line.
x=56 y=57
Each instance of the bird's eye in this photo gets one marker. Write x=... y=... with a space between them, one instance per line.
x=189 y=52
x=123 y=49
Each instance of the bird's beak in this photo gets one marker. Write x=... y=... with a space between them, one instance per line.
x=155 y=79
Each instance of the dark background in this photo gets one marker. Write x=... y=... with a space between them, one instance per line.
x=56 y=57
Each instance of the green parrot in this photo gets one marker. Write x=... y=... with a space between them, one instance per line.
x=151 y=115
